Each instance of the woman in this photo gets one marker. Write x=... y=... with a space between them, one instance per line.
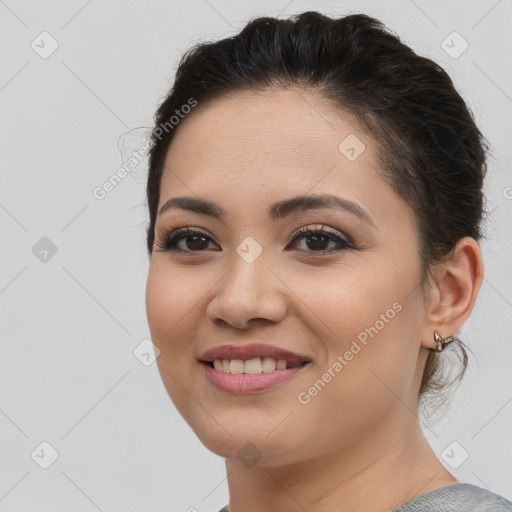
x=315 y=200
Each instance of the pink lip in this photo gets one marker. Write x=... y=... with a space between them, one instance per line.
x=251 y=351
x=243 y=383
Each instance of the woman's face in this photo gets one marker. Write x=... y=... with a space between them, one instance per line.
x=349 y=300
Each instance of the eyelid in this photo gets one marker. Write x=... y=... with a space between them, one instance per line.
x=323 y=229
x=185 y=228
x=297 y=231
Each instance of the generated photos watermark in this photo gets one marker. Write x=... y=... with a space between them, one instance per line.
x=305 y=397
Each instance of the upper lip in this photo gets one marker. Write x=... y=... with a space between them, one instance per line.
x=250 y=352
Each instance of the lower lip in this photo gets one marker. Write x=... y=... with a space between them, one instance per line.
x=242 y=383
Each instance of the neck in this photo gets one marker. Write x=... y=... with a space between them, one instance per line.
x=379 y=472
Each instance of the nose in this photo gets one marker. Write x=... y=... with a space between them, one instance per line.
x=249 y=293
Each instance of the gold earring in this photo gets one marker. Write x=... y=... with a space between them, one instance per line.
x=441 y=342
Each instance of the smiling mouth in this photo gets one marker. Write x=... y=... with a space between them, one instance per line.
x=256 y=375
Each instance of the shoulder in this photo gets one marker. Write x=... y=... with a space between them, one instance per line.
x=459 y=497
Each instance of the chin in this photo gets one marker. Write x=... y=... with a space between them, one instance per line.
x=251 y=447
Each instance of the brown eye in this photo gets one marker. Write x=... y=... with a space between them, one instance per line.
x=318 y=240
x=194 y=241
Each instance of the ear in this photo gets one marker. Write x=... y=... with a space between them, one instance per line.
x=452 y=292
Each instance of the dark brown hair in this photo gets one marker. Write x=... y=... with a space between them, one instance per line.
x=430 y=149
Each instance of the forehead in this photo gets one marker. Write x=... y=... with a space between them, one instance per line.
x=249 y=148
x=269 y=130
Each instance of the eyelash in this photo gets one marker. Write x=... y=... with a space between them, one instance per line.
x=170 y=239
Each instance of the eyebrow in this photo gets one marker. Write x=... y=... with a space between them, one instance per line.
x=278 y=210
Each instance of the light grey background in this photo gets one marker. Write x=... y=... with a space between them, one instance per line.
x=70 y=324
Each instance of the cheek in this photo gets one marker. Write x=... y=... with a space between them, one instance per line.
x=352 y=304
x=169 y=299
x=369 y=324
x=171 y=319
x=173 y=313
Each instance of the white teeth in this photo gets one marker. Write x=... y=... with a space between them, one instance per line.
x=251 y=366
x=268 y=364
x=281 y=365
x=236 y=366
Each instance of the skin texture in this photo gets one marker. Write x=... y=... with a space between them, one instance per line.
x=357 y=445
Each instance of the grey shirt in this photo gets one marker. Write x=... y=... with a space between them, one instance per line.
x=458 y=497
